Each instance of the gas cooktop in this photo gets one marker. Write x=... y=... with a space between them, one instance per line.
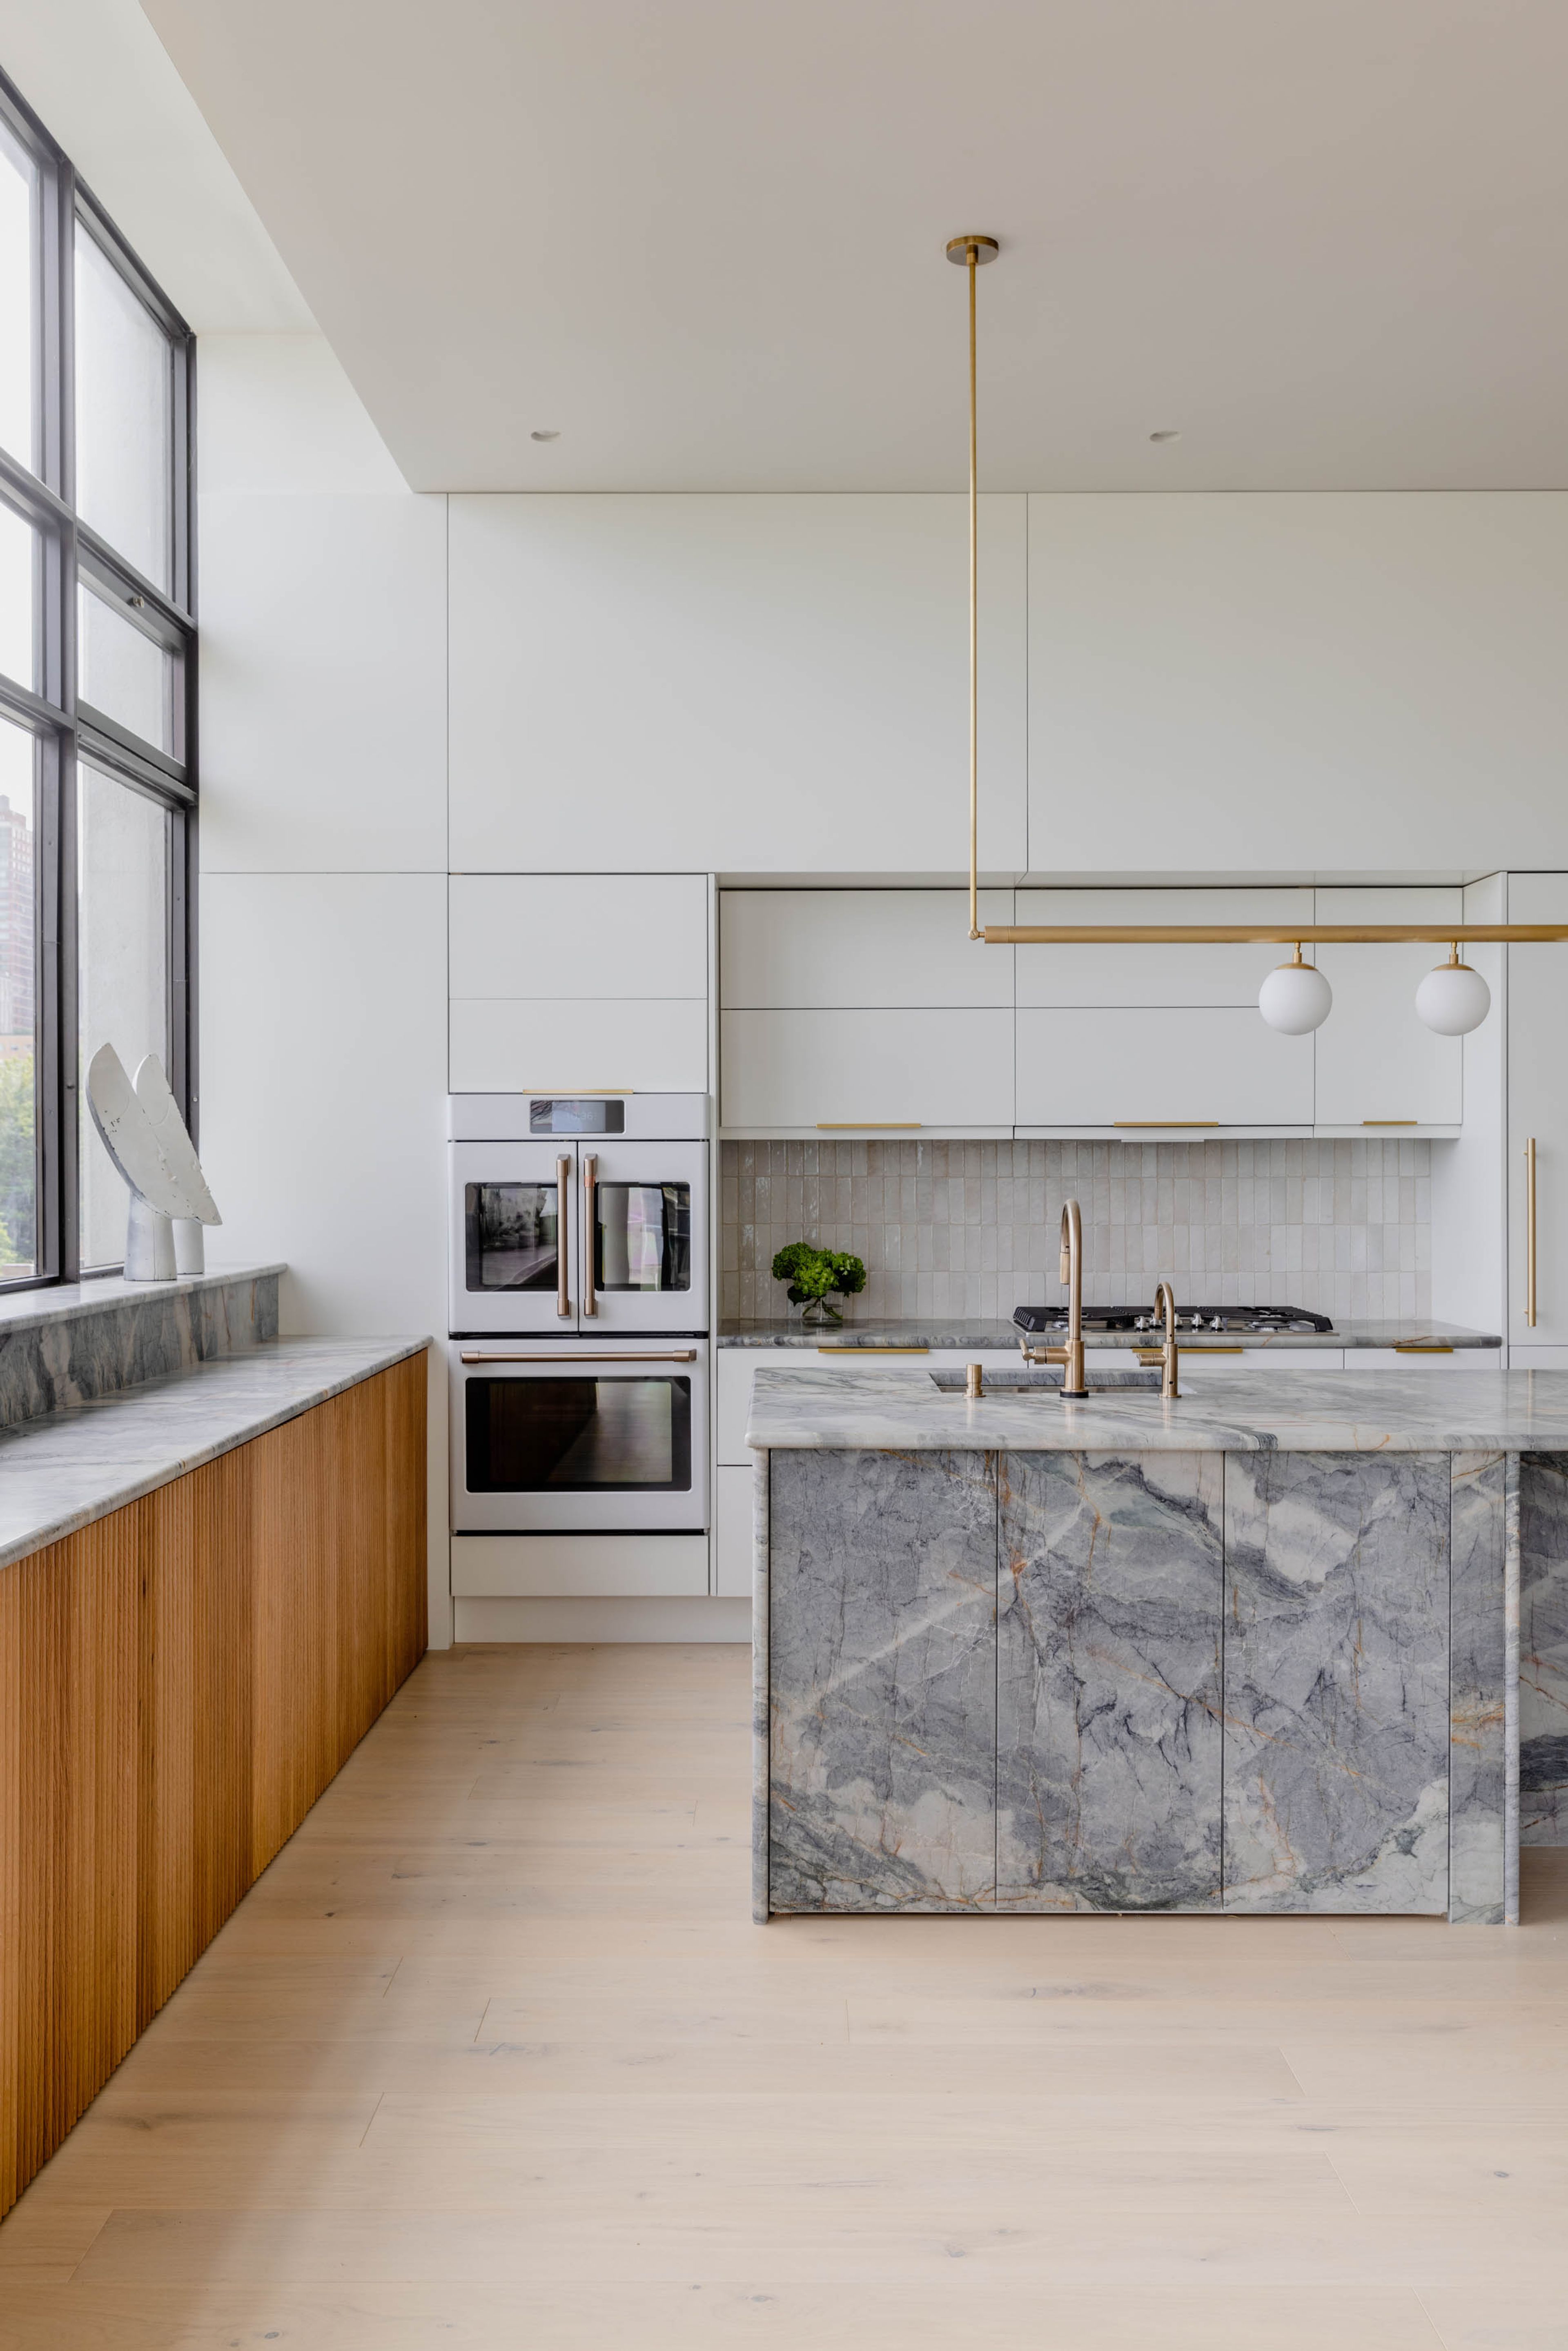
x=1190 y=1318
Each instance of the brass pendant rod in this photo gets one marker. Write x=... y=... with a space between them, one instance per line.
x=1192 y=934
x=971 y=251
x=972 y=255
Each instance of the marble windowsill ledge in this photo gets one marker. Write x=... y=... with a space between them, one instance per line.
x=1338 y=1412
x=74 y=1341
x=63 y=1469
x=785 y=1331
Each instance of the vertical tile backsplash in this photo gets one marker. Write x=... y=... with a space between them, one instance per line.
x=970 y=1229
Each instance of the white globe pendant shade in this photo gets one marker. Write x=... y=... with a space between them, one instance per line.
x=1453 y=1000
x=1295 y=999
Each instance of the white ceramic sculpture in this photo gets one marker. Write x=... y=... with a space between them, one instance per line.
x=152 y=1091
x=159 y=1191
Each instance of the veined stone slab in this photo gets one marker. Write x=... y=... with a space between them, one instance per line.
x=1336 y=1682
x=1544 y=1648
x=1108 y=1592
x=1478 y=1685
x=881 y=1642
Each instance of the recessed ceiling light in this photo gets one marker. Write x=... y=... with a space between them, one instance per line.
x=1169 y=434
x=556 y=436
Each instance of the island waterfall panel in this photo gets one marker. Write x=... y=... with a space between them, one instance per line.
x=882 y=1605
x=179 y=1680
x=1110 y=1588
x=1544 y=1648
x=1481 y=1609
x=1336 y=1681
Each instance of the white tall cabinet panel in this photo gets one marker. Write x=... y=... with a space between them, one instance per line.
x=1538 y=1107
x=1153 y=974
x=789 y=950
x=1175 y=1065
x=801 y=1071
x=732 y=683
x=1380 y=1069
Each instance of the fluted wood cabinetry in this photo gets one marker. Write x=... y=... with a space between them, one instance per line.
x=178 y=1683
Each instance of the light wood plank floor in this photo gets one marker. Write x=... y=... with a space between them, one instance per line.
x=493 y=2056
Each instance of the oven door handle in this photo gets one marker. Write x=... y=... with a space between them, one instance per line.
x=564 y=1363
x=562 y=1229
x=589 y=1233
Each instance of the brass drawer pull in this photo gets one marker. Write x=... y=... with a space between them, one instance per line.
x=1420 y=1347
x=1391 y=1122
x=1530 y=1232
x=848 y=1347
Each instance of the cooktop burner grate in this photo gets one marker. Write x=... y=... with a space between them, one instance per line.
x=1189 y=1318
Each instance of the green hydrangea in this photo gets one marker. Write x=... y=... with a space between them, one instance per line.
x=813 y=1272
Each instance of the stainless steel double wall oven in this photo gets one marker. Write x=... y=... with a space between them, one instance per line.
x=578 y=1316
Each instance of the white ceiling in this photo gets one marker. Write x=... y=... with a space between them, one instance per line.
x=703 y=238
x=94 y=73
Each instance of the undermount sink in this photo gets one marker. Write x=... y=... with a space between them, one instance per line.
x=1021 y=1382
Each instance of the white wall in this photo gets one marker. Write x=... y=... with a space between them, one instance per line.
x=323 y=850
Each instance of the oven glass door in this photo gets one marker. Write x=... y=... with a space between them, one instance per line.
x=514 y=1218
x=582 y=1443
x=644 y=1214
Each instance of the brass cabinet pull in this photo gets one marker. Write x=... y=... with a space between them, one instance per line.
x=590 y=1234
x=562 y=1236
x=1419 y=1347
x=1391 y=1122
x=1530 y=1232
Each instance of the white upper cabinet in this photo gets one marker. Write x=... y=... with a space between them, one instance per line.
x=579 y=983
x=800 y=1071
x=742 y=685
x=1153 y=974
x=579 y=934
x=790 y=950
x=1538 y=1108
x=1380 y=1069
x=1167 y=1065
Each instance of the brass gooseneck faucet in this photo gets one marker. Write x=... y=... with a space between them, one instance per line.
x=1070 y=1357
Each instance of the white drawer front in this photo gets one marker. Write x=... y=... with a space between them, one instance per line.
x=810 y=1069
x=1179 y=1064
x=798 y=949
x=732 y=1533
x=1153 y=974
x=578 y=1567
x=1418 y=1359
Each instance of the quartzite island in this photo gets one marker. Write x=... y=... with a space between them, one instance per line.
x=1255 y=1649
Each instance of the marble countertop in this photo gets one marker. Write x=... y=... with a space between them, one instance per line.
x=66 y=1469
x=60 y=1301
x=785 y=1331
x=1340 y=1412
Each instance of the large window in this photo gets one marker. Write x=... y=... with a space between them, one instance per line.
x=98 y=676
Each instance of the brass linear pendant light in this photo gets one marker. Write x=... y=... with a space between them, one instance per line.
x=1451 y=1000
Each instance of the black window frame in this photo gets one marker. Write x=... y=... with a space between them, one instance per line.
x=68 y=730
